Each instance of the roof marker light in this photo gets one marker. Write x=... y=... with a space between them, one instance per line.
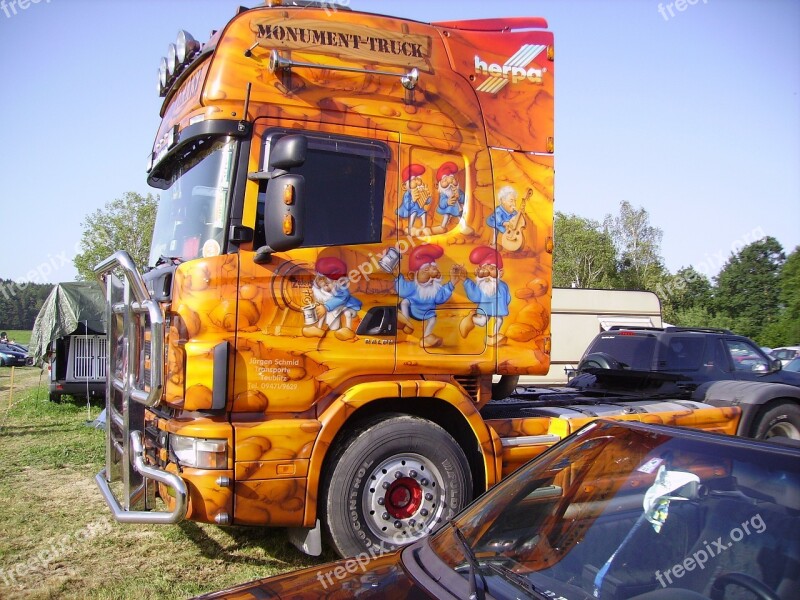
x=172 y=59
x=186 y=46
x=162 y=74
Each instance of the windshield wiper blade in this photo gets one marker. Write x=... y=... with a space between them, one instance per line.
x=474 y=592
x=173 y=260
x=519 y=580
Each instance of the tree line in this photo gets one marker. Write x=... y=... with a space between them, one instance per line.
x=20 y=303
x=756 y=292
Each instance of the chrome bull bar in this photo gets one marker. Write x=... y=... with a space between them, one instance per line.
x=135 y=373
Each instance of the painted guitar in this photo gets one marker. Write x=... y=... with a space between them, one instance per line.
x=513 y=238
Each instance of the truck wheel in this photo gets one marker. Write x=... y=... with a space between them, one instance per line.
x=394 y=480
x=782 y=420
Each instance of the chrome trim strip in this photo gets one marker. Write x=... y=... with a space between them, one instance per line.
x=527 y=440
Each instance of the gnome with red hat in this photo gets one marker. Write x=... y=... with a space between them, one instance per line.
x=488 y=291
x=335 y=308
x=451 y=196
x=416 y=196
x=423 y=292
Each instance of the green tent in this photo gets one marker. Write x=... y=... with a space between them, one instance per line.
x=68 y=306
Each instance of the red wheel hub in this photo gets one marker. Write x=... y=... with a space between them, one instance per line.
x=403 y=498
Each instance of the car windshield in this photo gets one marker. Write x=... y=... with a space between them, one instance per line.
x=192 y=210
x=623 y=512
x=793 y=365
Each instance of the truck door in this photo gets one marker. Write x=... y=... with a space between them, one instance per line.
x=313 y=317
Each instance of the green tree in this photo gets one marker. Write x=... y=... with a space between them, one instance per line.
x=583 y=255
x=124 y=224
x=686 y=298
x=748 y=287
x=785 y=330
x=638 y=246
x=20 y=303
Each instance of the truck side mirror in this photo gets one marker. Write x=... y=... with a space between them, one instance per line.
x=289 y=151
x=284 y=200
x=286 y=153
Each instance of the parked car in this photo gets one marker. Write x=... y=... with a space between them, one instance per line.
x=15 y=358
x=616 y=510
x=785 y=354
x=686 y=356
x=24 y=350
x=793 y=365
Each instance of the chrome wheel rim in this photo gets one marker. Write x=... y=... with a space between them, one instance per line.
x=783 y=429
x=404 y=498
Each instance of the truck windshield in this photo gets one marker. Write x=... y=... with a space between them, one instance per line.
x=193 y=209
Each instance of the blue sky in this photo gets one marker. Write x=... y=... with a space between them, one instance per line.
x=693 y=115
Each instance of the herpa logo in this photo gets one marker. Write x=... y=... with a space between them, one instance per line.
x=515 y=70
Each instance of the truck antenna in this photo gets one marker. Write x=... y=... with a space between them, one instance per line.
x=247 y=101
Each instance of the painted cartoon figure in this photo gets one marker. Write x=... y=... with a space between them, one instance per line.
x=503 y=214
x=451 y=196
x=335 y=308
x=423 y=292
x=489 y=292
x=416 y=197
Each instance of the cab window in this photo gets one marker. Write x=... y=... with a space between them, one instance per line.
x=345 y=187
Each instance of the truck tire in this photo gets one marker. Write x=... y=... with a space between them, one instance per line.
x=779 y=420
x=392 y=481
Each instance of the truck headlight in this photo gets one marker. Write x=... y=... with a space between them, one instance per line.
x=199 y=452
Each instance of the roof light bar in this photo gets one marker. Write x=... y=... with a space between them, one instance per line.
x=179 y=56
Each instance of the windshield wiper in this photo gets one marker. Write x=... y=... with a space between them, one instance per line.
x=173 y=260
x=474 y=592
x=519 y=580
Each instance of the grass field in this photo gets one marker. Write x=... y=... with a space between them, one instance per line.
x=20 y=337
x=57 y=538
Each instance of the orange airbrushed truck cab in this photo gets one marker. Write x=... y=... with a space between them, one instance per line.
x=354 y=235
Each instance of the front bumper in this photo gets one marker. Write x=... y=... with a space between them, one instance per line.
x=135 y=325
x=123 y=515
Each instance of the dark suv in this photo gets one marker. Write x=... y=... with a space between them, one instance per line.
x=685 y=356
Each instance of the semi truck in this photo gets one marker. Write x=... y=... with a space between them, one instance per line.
x=354 y=236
